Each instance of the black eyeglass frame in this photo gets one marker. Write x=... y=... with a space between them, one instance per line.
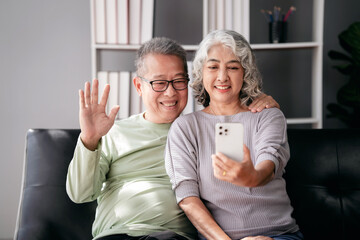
x=167 y=83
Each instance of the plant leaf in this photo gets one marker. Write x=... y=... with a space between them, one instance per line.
x=350 y=41
x=345 y=69
x=335 y=55
x=339 y=112
x=349 y=95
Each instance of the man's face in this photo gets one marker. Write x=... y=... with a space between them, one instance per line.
x=162 y=107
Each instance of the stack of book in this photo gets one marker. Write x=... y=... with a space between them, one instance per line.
x=226 y=14
x=122 y=92
x=123 y=21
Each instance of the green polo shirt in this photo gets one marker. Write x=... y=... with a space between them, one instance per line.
x=126 y=174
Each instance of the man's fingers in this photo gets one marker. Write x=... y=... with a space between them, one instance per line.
x=113 y=112
x=81 y=99
x=87 y=94
x=259 y=105
x=272 y=103
x=269 y=102
x=105 y=95
x=95 y=92
x=262 y=102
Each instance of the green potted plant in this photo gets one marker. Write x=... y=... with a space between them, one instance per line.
x=347 y=108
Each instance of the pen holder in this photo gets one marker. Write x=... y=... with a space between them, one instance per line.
x=277 y=31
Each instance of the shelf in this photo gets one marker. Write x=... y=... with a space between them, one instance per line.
x=117 y=46
x=311 y=46
x=302 y=120
x=262 y=46
x=269 y=46
x=190 y=47
x=135 y=47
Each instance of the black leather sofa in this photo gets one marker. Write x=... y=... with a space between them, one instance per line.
x=323 y=182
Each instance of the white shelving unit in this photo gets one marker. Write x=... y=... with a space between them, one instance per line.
x=316 y=46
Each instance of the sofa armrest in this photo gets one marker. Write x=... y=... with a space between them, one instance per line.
x=45 y=210
x=323 y=181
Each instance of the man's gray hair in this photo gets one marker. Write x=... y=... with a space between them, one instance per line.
x=241 y=48
x=159 y=45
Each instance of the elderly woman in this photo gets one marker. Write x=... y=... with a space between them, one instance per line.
x=224 y=198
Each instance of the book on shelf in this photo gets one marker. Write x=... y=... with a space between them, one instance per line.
x=225 y=14
x=113 y=99
x=134 y=21
x=228 y=8
x=124 y=94
x=211 y=15
x=147 y=20
x=237 y=13
x=111 y=21
x=123 y=21
x=220 y=14
x=102 y=77
x=100 y=21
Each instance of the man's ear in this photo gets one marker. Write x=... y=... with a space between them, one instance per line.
x=137 y=83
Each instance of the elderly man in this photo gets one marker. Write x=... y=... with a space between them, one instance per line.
x=121 y=163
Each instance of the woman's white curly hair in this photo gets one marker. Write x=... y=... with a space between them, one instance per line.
x=252 y=84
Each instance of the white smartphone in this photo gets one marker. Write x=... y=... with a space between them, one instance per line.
x=229 y=138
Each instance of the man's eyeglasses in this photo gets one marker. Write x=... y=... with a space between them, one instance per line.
x=161 y=85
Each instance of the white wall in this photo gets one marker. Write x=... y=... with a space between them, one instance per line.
x=44 y=60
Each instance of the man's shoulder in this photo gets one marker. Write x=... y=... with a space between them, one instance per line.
x=125 y=124
x=129 y=120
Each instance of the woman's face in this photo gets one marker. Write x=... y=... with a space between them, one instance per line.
x=222 y=75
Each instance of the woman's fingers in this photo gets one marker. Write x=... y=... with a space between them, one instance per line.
x=233 y=171
x=247 y=156
x=223 y=166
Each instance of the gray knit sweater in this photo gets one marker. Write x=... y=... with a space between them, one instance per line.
x=240 y=211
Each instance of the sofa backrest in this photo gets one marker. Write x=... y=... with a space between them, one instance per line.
x=323 y=182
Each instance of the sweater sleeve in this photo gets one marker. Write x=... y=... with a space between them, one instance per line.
x=180 y=160
x=271 y=140
x=86 y=173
